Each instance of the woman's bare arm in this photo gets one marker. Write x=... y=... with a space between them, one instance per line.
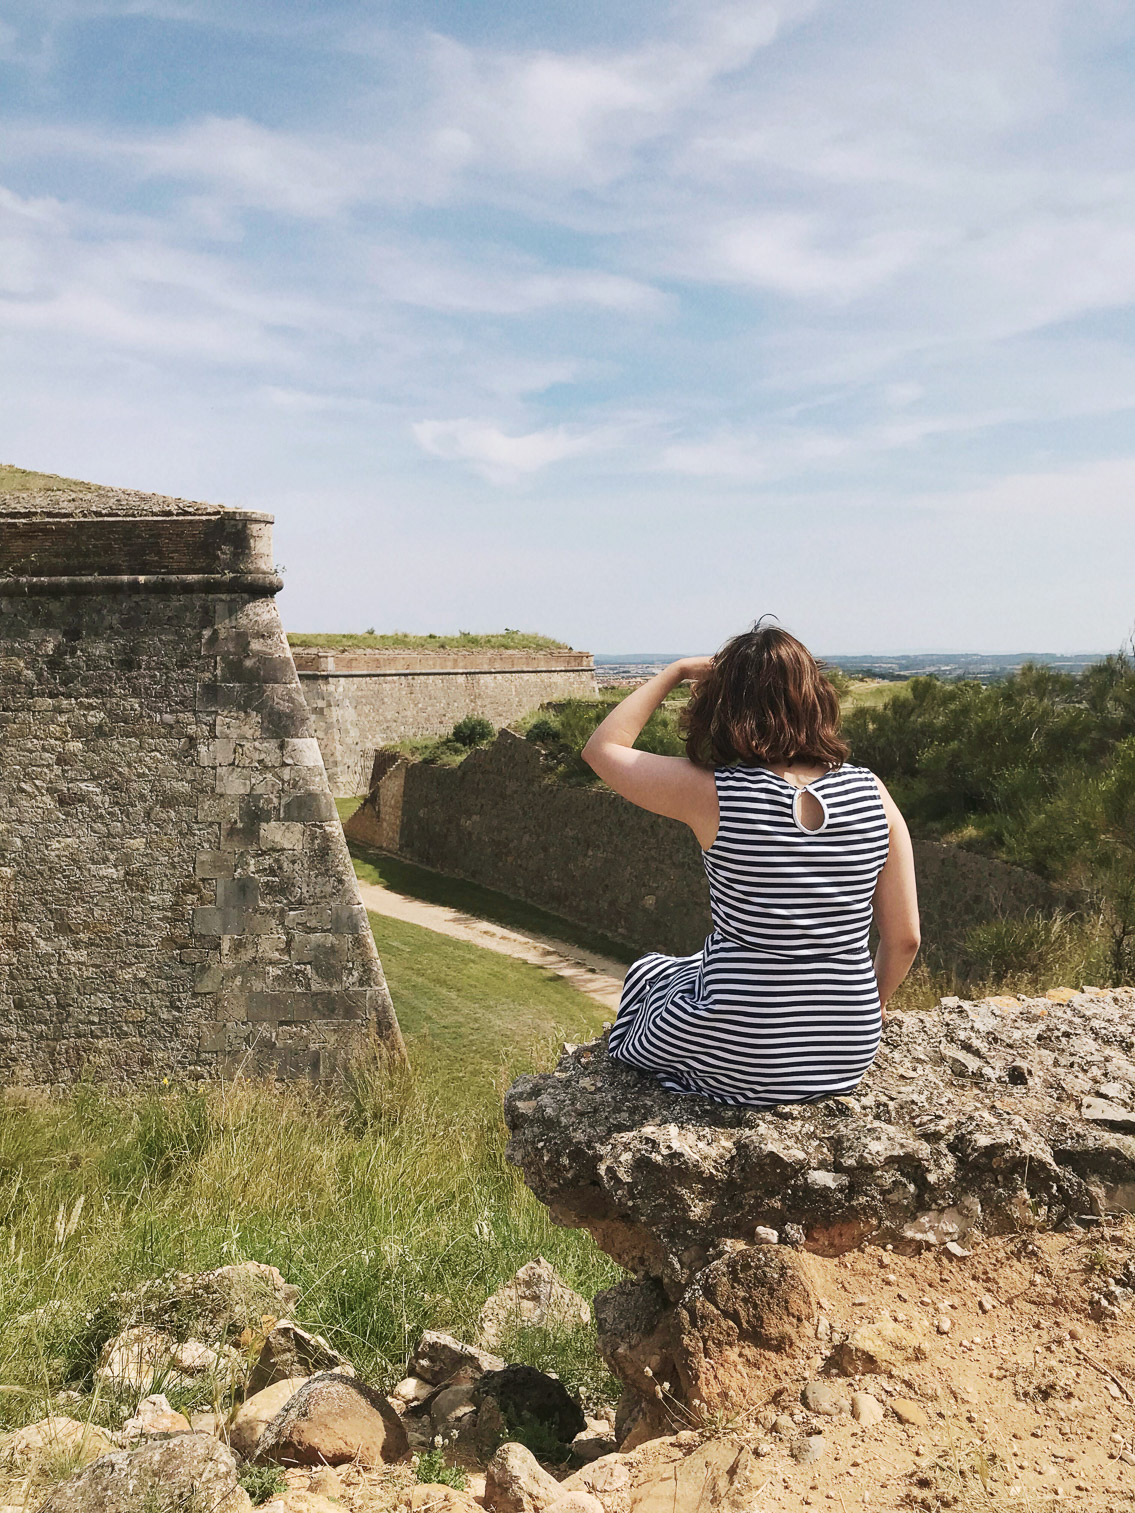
x=673 y=786
x=896 y=905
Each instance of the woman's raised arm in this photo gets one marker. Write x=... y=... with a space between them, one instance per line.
x=673 y=786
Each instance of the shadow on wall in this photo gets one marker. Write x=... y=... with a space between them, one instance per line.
x=591 y=857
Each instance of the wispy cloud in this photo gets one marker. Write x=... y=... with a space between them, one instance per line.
x=500 y=457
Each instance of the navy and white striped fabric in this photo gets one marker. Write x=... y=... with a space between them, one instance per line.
x=781 y=1004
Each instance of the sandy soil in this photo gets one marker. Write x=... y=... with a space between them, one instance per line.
x=597 y=976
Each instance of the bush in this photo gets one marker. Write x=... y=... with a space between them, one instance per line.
x=473 y=730
x=543 y=732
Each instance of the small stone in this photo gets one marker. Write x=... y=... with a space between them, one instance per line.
x=783 y=1425
x=1075 y=1332
x=944 y=1324
x=958 y=1252
x=986 y=1303
x=908 y=1412
x=762 y=1235
x=865 y=1409
x=288 y=1352
x=411 y=1389
x=809 y=1449
x=439 y=1359
x=155 y=1417
x=257 y=1412
x=331 y=1420
x=819 y=1397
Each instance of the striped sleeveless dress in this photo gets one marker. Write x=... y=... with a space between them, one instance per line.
x=781 y=1004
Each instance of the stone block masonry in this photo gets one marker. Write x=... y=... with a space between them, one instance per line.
x=362 y=700
x=176 y=897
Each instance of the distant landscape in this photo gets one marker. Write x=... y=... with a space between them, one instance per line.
x=981 y=666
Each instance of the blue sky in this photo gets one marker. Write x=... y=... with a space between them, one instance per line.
x=626 y=323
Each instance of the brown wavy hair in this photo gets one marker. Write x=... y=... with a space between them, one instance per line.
x=765 y=700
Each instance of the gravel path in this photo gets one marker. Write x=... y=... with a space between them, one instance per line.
x=597 y=976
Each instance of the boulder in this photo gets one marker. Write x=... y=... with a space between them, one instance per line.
x=160 y=1477
x=969 y=1123
x=439 y=1359
x=330 y=1420
x=721 y=1474
x=208 y=1305
x=256 y=1412
x=525 y=1395
x=536 y=1295
x=516 y=1482
x=155 y=1418
x=603 y=1478
x=289 y=1351
x=25 y=1448
x=432 y=1497
x=879 y=1348
x=137 y=1357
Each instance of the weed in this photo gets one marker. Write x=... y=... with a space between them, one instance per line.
x=472 y=731
x=432 y=1468
x=261 y=1482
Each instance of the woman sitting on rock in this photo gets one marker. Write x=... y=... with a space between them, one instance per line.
x=782 y=1004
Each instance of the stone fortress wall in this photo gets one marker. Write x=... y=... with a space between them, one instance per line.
x=176 y=896
x=361 y=700
x=591 y=857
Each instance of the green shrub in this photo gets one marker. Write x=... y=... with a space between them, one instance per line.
x=432 y=1468
x=543 y=732
x=473 y=730
x=262 y=1482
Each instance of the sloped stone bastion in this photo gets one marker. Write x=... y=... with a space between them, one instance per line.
x=1000 y=1116
x=176 y=896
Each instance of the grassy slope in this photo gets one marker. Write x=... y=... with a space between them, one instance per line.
x=466 y=1012
x=507 y=640
x=392 y=1208
x=15 y=480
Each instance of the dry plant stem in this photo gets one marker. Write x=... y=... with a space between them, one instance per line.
x=1103 y=1370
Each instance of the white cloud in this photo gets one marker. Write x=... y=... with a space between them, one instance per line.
x=497 y=456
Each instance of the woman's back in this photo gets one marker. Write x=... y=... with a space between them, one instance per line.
x=776 y=886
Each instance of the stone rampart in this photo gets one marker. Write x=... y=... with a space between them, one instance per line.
x=362 y=700
x=589 y=856
x=176 y=896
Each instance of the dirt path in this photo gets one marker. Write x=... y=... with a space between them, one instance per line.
x=597 y=976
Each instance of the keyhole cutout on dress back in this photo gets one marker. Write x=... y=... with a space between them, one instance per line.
x=809 y=810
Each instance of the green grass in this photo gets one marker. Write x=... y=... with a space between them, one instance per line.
x=468 y=1013
x=15 y=480
x=471 y=898
x=866 y=693
x=390 y=1206
x=463 y=640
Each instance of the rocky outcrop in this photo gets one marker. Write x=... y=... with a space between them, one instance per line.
x=978 y=1118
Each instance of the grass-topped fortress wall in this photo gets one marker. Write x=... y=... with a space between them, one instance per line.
x=176 y=896
x=365 y=692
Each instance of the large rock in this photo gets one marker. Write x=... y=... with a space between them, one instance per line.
x=977 y=1118
x=331 y=1420
x=210 y=1305
x=440 y=1359
x=132 y=1360
x=516 y=1482
x=256 y=1412
x=536 y=1295
x=290 y=1351
x=53 y=1437
x=525 y=1395
x=161 y=1477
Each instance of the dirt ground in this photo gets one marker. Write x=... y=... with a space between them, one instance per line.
x=1029 y=1400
